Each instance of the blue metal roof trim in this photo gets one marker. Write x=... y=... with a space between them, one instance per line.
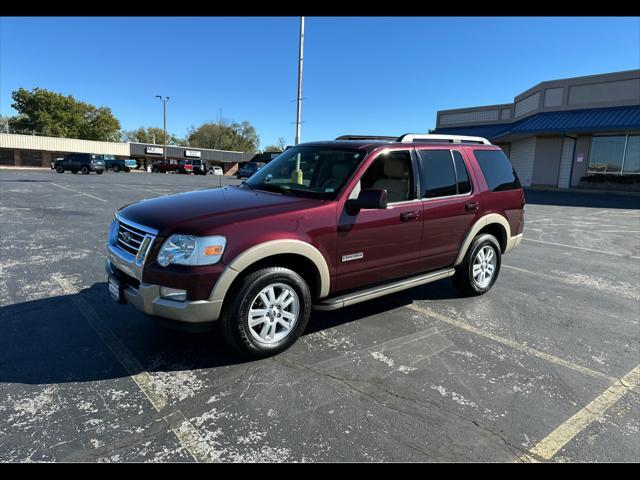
x=594 y=119
x=577 y=120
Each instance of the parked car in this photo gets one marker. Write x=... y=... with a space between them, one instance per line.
x=197 y=167
x=115 y=165
x=249 y=169
x=80 y=162
x=376 y=216
x=168 y=166
x=216 y=171
x=131 y=164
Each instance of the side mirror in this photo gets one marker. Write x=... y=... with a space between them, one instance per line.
x=368 y=198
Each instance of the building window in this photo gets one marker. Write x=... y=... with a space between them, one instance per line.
x=632 y=156
x=30 y=158
x=615 y=154
x=6 y=157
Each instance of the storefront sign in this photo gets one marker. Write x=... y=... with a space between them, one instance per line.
x=154 y=150
x=580 y=157
x=192 y=153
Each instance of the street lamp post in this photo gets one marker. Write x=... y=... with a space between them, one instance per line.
x=296 y=175
x=164 y=116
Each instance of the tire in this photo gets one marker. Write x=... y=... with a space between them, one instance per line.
x=155 y=170
x=116 y=169
x=74 y=171
x=234 y=321
x=85 y=170
x=487 y=246
x=60 y=169
x=99 y=172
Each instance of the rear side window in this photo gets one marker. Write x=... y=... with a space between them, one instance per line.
x=438 y=174
x=497 y=170
x=464 y=185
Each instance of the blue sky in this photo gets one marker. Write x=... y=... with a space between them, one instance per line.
x=372 y=75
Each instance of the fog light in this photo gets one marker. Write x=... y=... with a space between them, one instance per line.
x=173 y=294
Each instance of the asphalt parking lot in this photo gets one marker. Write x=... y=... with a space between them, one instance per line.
x=545 y=367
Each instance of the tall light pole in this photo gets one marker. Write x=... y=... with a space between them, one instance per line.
x=300 y=57
x=164 y=116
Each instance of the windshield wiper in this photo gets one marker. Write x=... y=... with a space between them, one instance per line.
x=271 y=187
x=244 y=182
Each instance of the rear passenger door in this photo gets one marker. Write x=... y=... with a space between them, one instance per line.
x=449 y=204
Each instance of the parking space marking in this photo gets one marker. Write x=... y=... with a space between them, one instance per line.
x=526 y=239
x=583 y=280
x=557 y=439
x=77 y=191
x=513 y=344
x=187 y=434
x=138 y=188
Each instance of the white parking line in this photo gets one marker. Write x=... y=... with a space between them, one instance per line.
x=582 y=248
x=79 y=192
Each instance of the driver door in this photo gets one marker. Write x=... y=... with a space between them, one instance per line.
x=376 y=245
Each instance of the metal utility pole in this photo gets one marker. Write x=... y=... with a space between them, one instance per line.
x=300 y=56
x=164 y=112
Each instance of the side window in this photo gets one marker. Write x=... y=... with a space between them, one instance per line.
x=438 y=174
x=393 y=172
x=497 y=170
x=464 y=185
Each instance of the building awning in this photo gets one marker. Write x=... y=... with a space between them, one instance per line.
x=572 y=121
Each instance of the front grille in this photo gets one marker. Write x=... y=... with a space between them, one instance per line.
x=131 y=239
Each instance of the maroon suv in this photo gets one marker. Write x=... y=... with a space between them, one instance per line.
x=324 y=225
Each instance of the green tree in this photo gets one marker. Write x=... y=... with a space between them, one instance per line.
x=151 y=135
x=225 y=135
x=43 y=112
x=280 y=147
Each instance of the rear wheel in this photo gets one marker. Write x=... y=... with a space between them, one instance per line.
x=85 y=170
x=60 y=169
x=479 y=270
x=267 y=313
x=155 y=170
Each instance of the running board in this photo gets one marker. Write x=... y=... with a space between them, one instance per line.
x=341 y=301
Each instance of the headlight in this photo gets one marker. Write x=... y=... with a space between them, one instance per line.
x=190 y=250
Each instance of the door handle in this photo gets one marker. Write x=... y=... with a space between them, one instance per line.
x=471 y=206
x=406 y=216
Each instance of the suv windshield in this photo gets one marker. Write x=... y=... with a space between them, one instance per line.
x=307 y=171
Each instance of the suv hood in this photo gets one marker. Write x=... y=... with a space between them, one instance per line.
x=199 y=211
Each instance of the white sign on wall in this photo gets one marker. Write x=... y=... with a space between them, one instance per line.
x=192 y=153
x=580 y=157
x=154 y=150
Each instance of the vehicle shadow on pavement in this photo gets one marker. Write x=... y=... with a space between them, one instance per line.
x=578 y=199
x=73 y=338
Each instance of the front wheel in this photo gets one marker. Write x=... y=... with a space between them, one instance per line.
x=155 y=170
x=116 y=169
x=60 y=169
x=85 y=170
x=267 y=313
x=479 y=270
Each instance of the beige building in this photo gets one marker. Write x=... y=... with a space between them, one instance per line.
x=560 y=131
x=39 y=151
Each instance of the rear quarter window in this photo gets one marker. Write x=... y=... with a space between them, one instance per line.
x=497 y=170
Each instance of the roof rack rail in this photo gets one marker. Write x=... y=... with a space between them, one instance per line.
x=413 y=137
x=366 y=137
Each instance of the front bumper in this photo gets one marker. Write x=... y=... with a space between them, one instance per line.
x=146 y=297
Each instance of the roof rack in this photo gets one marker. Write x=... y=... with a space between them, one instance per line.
x=366 y=137
x=413 y=137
